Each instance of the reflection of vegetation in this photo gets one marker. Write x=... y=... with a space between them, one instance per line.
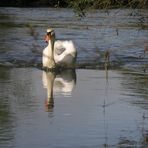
x=6 y=119
x=4 y=75
x=142 y=142
x=6 y=124
x=136 y=84
x=32 y=31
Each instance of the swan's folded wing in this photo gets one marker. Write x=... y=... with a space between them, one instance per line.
x=64 y=46
x=59 y=48
x=64 y=52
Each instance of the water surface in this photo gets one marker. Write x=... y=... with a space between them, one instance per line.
x=91 y=109
x=124 y=33
x=75 y=108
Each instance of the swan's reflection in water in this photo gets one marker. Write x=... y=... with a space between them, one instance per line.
x=62 y=83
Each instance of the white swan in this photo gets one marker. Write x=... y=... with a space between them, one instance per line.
x=61 y=53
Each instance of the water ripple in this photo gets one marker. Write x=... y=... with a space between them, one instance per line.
x=123 y=33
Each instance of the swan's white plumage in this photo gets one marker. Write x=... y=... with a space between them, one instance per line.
x=68 y=52
x=58 y=52
x=47 y=58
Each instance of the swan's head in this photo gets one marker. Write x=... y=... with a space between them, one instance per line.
x=50 y=35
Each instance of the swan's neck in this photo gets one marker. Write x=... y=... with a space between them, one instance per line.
x=50 y=49
x=51 y=43
x=49 y=55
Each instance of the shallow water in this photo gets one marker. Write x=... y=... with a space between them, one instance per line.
x=89 y=108
x=124 y=33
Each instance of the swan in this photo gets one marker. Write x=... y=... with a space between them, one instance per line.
x=58 y=53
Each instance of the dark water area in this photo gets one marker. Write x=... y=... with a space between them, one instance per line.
x=87 y=107
x=124 y=33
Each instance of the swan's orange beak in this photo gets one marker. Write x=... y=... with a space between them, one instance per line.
x=47 y=38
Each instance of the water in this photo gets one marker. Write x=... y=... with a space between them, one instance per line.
x=123 y=33
x=88 y=109
x=80 y=108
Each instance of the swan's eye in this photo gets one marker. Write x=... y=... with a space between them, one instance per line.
x=48 y=33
